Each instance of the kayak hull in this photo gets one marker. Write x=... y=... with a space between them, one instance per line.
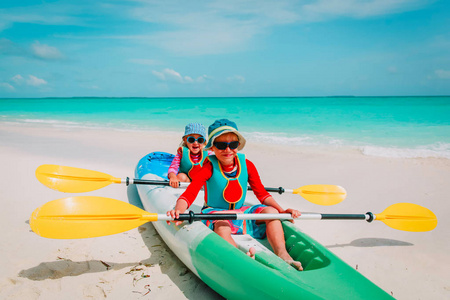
x=230 y=272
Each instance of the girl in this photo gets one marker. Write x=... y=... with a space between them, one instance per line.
x=226 y=175
x=190 y=155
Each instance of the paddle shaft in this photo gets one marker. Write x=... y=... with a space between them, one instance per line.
x=191 y=217
x=129 y=181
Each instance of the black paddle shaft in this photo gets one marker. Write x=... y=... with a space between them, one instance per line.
x=349 y=217
x=149 y=182
x=279 y=190
x=191 y=217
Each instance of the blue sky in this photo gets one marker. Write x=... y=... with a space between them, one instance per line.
x=183 y=48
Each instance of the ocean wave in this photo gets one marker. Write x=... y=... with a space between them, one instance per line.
x=57 y=123
x=68 y=125
x=281 y=139
x=438 y=150
x=48 y=122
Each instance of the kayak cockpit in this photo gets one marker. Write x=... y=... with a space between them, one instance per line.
x=303 y=250
x=299 y=248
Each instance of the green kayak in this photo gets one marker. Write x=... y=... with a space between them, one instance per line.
x=234 y=275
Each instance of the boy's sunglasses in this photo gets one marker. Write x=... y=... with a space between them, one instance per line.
x=192 y=140
x=224 y=145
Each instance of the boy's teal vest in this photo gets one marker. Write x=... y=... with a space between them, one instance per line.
x=223 y=192
x=187 y=166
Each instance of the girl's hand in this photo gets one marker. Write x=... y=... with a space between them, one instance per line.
x=174 y=183
x=174 y=214
x=173 y=180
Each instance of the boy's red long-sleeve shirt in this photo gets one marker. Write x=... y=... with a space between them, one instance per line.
x=206 y=172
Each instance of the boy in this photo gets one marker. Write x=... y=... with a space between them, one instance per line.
x=226 y=175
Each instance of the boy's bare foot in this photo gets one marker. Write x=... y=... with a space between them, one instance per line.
x=295 y=264
x=251 y=252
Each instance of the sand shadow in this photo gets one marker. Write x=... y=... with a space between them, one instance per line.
x=66 y=267
x=160 y=254
x=372 y=242
x=191 y=286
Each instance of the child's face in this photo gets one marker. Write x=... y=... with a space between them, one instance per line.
x=194 y=147
x=226 y=157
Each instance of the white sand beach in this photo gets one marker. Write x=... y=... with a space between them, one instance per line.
x=137 y=264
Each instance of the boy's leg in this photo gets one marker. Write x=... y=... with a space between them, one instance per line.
x=223 y=229
x=275 y=236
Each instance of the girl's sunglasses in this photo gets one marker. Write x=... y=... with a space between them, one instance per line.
x=192 y=140
x=224 y=145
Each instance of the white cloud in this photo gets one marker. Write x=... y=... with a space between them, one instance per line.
x=442 y=74
x=46 y=52
x=7 y=86
x=160 y=75
x=56 y=13
x=203 y=78
x=213 y=27
x=171 y=75
x=34 y=81
x=188 y=79
x=326 y=9
x=17 y=79
x=201 y=27
x=236 y=78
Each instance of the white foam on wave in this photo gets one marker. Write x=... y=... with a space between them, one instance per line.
x=68 y=125
x=281 y=139
x=50 y=122
x=438 y=150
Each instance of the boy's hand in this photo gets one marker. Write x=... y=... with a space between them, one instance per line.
x=294 y=213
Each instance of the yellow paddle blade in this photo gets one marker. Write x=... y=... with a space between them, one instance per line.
x=408 y=217
x=322 y=194
x=73 y=180
x=85 y=217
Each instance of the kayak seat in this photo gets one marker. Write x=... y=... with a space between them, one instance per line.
x=157 y=162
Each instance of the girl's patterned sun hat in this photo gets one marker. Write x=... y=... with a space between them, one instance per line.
x=195 y=128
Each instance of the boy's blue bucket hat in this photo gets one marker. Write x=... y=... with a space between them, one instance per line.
x=220 y=127
x=195 y=128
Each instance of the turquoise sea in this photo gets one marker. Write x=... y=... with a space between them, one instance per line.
x=380 y=126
